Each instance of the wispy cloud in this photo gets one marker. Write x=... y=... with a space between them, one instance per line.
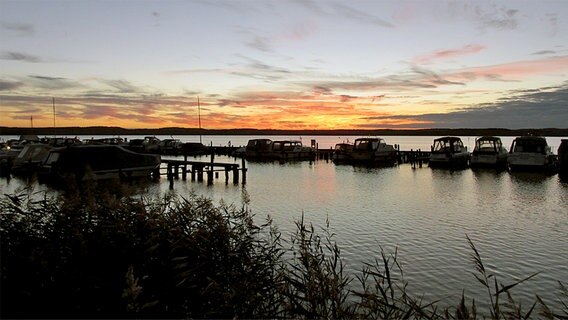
x=52 y=83
x=122 y=86
x=261 y=44
x=9 y=85
x=449 y=53
x=542 y=108
x=19 y=56
x=18 y=28
x=358 y=15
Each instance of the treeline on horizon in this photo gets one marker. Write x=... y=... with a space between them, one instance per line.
x=177 y=131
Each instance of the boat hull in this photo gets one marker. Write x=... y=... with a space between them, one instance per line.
x=448 y=160
x=84 y=163
x=488 y=161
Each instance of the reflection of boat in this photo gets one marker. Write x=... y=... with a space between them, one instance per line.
x=290 y=150
x=257 y=148
x=373 y=151
x=85 y=162
x=489 y=152
x=449 y=152
x=563 y=158
x=530 y=153
x=341 y=152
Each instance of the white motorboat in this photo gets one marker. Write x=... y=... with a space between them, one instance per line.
x=449 y=152
x=531 y=153
x=489 y=152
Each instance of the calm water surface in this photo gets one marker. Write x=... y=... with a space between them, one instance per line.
x=518 y=222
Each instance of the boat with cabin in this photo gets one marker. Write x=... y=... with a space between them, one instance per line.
x=342 y=152
x=258 y=148
x=30 y=159
x=489 y=152
x=372 y=151
x=170 y=146
x=96 y=162
x=563 y=158
x=289 y=150
x=531 y=153
x=449 y=152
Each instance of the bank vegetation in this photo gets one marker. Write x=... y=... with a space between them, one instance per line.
x=103 y=254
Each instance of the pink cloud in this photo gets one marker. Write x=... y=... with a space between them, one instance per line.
x=449 y=53
x=516 y=70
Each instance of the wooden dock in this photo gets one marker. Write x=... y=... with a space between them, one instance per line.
x=197 y=170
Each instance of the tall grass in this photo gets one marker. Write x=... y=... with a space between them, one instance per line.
x=110 y=254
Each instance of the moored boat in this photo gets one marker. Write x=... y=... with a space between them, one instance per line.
x=290 y=150
x=449 y=152
x=489 y=153
x=96 y=162
x=170 y=146
x=342 y=152
x=30 y=159
x=372 y=151
x=563 y=158
x=257 y=148
x=531 y=153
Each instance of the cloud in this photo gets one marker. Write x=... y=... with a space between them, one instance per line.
x=18 y=56
x=516 y=70
x=122 y=86
x=449 y=53
x=260 y=43
x=9 y=85
x=51 y=83
x=543 y=52
x=433 y=77
x=544 y=108
x=19 y=28
x=358 y=15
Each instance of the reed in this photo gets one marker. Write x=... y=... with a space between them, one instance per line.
x=112 y=254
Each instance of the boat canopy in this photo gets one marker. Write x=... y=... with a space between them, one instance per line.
x=530 y=144
x=447 y=144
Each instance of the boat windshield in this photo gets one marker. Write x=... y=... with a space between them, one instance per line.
x=53 y=157
x=446 y=145
x=533 y=146
x=487 y=145
x=367 y=144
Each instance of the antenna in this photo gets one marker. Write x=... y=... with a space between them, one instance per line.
x=53 y=101
x=32 y=122
x=199 y=118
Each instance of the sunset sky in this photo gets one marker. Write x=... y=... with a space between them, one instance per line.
x=284 y=64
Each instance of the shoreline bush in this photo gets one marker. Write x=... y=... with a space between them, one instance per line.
x=101 y=254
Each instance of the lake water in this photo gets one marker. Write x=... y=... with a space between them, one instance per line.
x=518 y=222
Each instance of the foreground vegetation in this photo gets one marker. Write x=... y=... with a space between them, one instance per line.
x=101 y=254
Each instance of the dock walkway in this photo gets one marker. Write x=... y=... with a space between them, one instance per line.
x=197 y=169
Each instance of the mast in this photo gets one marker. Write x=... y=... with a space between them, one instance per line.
x=199 y=118
x=53 y=102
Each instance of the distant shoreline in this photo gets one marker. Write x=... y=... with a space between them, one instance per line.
x=114 y=131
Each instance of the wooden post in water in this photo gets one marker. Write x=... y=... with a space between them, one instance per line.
x=200 y=173
x=193 y=173
x=210 y=171
x=236 y=174
x=244 y=171
x=226 y=175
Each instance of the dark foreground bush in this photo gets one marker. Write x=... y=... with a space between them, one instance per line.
x=108 y=256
